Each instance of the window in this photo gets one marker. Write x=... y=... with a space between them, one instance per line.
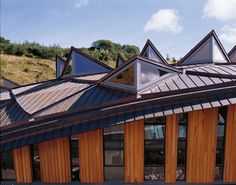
x=75 y=158
x=114 y=153
x=126 y=77
x=68 y=69
x=154 y=149
x=7 y=167
x=36 y=162
x=182 y=147
x=220 y=144
x=148 y=73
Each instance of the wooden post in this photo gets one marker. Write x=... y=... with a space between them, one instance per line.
x=23 y=164
x=91 y=156
x=171 y=142
x=55 y=163
x=201 y=145
x=134 y=151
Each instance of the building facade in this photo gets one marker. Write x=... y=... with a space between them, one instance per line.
x=146 y=120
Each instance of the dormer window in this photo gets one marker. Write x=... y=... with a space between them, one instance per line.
x=81 y=64
x=208 y=50
x=139 y=74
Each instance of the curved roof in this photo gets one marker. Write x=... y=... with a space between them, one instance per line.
x=69 y=105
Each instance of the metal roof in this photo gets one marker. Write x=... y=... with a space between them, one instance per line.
x=74 y=104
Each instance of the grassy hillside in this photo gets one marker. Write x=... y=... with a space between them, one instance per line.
x=24 y=70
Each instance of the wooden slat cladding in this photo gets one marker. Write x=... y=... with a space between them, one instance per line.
x=55 y=163
x=230 y=146
x=91 y=156
x=201 y=145
x=134 y=151
x=171 y=147
x=23 y=164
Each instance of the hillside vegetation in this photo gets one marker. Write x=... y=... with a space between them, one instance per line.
x=24 y=70
x=30 y=62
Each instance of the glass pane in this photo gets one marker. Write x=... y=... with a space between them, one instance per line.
x=126 y=77
x=36 y=162
x=182 y=147
x=114 y=145
x=155 y=156
x=180 y=174
x=220 y=144
x=154 y=173
x=182 y=130
x=7 y=168
x=148 y=73
x=154 y=131
x=68 y=69
x=114 y=157
x=75 y=158
x=114 y=173
x=113 y=153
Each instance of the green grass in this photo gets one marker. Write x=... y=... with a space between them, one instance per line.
x=24 y=70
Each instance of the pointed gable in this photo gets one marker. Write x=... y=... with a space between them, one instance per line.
x=232 y=54
x=60 y=64
x=151 y=52
x=120 y=60
x=137 y=74
x=208 y=50
x=81 y=64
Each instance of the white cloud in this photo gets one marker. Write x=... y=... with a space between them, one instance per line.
x=229 y=34
x=166 y=20
x=81 y=3
x=222 y=10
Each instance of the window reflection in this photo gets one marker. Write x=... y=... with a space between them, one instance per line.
x=114 y=153
x=220 y=143
x=36 y=162
x=7 y=167
x=154 y=149
x=75 y=158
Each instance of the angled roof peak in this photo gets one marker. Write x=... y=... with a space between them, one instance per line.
x=232 y=54
x=151 y=52
x=208 y=50
x=119 y=60
x=79 y=62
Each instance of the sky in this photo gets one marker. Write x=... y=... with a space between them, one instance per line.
x=174 y=26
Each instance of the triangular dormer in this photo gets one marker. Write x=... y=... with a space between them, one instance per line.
x=232 y=54
x=80 y=63
x=120 y=60
x=151 y=52
x=137 y=74
x=60 y=65
x=208 y=50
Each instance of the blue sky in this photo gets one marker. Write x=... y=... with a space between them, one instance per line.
x=173 y=26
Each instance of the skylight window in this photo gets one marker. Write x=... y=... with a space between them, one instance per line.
x=139 y=74
x=148 y=73
x=126 y=77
